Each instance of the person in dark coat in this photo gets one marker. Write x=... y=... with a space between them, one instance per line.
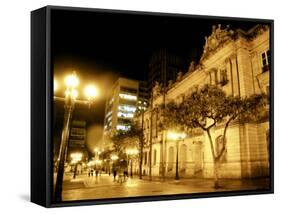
x=114 y=174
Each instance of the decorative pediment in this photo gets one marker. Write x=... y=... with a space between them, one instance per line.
x=216 y=39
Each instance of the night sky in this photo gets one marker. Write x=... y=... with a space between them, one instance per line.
x=101 y=46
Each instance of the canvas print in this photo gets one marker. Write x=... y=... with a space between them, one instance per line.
x=151 y=105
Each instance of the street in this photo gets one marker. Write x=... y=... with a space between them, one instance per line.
x=103 y=186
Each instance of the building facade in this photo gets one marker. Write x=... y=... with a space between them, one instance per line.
x=239 y=63
x=123 y=101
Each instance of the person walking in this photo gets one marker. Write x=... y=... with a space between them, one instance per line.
x=114 y=174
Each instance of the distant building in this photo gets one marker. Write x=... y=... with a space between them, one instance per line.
x=163 y=67
x=77 y=139
x=238 y=62
x=124 y=99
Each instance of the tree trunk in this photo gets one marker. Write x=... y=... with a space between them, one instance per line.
x=216 y=174
x=224 y=140
x=215 y=161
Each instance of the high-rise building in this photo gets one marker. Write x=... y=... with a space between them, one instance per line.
x=163 y=67
x=123 y=101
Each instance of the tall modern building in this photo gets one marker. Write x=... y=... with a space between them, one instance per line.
x=163 y=67
x=123 y=101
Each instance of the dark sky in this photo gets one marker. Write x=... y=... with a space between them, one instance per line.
x=101 y=46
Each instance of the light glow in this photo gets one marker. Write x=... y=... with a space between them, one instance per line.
x=91 y=92
x=176 y=135
x=73 y=93
x=72 y=80
x=76 y=157
x=55 y=85
x=132 y=151
x=114 y=157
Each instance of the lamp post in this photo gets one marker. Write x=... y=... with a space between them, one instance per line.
x=176 y=136
x=71 y=94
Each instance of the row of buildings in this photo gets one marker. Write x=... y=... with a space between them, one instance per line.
x=235 y=60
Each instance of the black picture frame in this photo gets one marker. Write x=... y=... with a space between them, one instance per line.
x=42 y=111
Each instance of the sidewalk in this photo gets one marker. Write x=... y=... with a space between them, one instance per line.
x=254 y=183
x=103 y=180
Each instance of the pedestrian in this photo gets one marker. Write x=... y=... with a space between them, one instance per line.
x=92 y=172
x=114 y=174
x=125 y=174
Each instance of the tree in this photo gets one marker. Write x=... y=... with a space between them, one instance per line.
x=134 y=137
x=208 y=106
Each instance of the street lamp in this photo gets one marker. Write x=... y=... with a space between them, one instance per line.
x=71 y=94
x=176 y=136
x=131 y=152
x=91 y=92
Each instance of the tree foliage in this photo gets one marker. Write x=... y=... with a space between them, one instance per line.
x=132 y=138
x=209 y=106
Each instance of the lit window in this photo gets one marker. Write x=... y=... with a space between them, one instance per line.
x=123 y=127
x=127 y=108
x=108 y=114
x=109 y=119
x=128 y=97
x=126 y=115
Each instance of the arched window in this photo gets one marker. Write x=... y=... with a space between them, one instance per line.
x=219 y=147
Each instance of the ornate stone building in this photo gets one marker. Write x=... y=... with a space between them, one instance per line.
x=239 y=63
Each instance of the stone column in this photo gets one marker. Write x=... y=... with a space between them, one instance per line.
x=235 y=75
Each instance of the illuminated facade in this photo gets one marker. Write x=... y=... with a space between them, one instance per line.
x=125 y=98
x=239 y=63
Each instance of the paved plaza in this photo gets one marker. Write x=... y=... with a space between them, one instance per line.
x=103 y=186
